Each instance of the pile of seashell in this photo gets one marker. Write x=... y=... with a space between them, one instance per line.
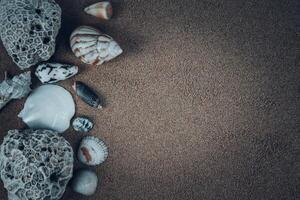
x=88 y=44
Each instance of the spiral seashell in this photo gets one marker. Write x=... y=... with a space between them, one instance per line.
x=102 y=10
x=92 y=46
x=15 y=88
x=85 y=182
x=92 y=151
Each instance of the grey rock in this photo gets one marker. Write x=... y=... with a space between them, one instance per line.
x=28 y=29
x=35 y=164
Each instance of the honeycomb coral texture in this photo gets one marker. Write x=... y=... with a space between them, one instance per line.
x=28 y=29
x=35 y=165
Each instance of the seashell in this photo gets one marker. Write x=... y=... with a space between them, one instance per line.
x=102 y=10
x=87 y=94
x=92 y=46
x=82 y=124
x=48 y=107
x=54 y=72
x=85 y=182
x=15 y=88
x=92 y=151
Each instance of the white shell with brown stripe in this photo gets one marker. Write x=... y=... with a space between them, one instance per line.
x=101 y=10
x=92 y=151
x=92 y=46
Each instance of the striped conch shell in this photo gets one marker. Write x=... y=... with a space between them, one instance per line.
x=102 y=10
x=92 y=46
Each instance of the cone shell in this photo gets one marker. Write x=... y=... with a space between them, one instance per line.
x=92 y=151
x=92 y=46
x=54 y=72
x=87 y=94
x=102 y=10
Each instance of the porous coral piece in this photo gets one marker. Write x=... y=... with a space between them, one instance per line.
x=35 y=164
x=28 y=29
x=101 y=10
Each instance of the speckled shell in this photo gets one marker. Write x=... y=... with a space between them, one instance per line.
x=92 y=46
x=101 y=10
x=54 y=72
x=82 y=124
x=92 y=151
x=85 y=182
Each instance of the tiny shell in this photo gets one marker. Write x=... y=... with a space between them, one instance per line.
x=102 y=10
x=54 y=72
x=92 y=151
x=87 y=94
x=92 y=46
x=48 y=107
x=85 y=182
x=82 y=124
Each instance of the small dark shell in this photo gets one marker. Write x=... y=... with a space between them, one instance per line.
x=82 y=124
x=87 y=94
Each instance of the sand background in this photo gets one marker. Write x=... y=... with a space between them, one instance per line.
x=203 y=103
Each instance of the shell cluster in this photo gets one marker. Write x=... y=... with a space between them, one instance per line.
x=35 y=164
x=28 y=29
x=54 y=72
x=92 y=151
x=92 y=46
x=82 y=124
x=15 y=88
